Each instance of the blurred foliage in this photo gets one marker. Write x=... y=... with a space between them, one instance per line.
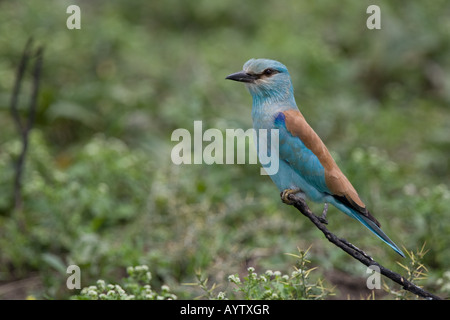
x=100 y=190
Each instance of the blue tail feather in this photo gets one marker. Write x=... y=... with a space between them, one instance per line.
x=369 y=224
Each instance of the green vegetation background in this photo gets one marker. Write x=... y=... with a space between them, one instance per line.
x=100 y=190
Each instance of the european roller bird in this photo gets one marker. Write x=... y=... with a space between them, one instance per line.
x=306 y=167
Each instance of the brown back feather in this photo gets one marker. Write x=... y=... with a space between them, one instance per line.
x=336 y=181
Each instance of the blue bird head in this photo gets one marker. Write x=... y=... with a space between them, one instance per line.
x=267 y=80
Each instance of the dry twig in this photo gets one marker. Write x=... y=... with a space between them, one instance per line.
x=23 y=127
x=357 y=253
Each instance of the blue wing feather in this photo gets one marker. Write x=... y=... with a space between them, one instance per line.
x=301 y=159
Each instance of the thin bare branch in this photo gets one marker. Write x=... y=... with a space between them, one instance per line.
x=17 y=86
x=22 y=128
x=357 y=253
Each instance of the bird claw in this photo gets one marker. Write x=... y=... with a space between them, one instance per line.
x=285 y=198
x=286 y=193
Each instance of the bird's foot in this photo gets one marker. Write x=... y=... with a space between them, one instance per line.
x=323 y=217
x=285 y=195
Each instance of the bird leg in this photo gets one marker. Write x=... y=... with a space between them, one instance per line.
x=323 y=217
x=285 y=195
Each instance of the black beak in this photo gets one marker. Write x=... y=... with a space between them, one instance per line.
x=242 y=76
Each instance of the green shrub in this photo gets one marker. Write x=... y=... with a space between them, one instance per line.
x=135 y=287
x=273 y=285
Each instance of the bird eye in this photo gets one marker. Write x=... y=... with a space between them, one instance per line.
x=268 y=72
